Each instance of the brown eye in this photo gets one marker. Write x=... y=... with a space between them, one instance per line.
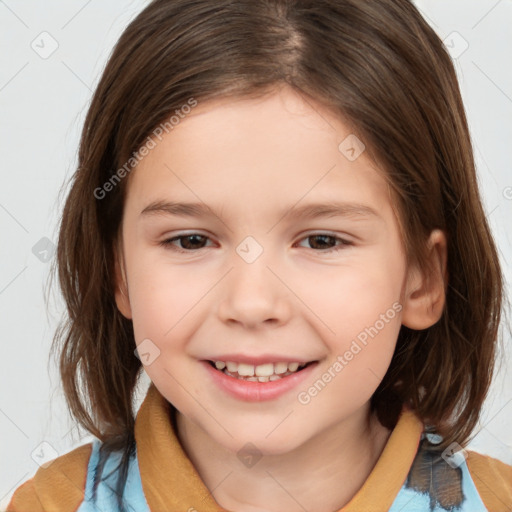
x=189 y=243
x=323 y=241
x=326 y=243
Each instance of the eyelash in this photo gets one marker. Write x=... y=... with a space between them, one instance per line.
x=168 y=243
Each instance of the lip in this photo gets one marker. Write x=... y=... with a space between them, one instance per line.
x=257 y=360
x=257 y=391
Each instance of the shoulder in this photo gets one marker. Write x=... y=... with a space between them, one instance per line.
x=59 y=485
x=457 y=480
x=492 y=479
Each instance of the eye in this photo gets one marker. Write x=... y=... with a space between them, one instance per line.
x=322 y=242
x=189 y=242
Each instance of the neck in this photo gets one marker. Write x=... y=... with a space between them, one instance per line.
x=322 y=474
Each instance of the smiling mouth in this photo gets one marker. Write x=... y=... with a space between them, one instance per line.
x=267 y=372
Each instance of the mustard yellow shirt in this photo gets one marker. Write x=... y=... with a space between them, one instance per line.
x=161 y=477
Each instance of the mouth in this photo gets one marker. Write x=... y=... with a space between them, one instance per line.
x=267 y=372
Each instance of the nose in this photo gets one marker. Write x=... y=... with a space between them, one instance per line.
x=253 y=295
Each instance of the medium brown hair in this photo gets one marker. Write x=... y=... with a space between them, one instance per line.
x=376 y=63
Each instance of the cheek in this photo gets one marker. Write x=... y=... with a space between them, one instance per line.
x=351 y=297
x=163 y=297
x=360 y=305
x=164 y=302
x=373 y=321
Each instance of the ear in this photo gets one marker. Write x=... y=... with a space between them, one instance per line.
x=425 y=296
x=121 y=285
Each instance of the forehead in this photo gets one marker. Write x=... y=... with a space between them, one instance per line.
x=252 y=153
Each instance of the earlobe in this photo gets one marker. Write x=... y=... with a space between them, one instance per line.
x=425 y=296
x=121 y=288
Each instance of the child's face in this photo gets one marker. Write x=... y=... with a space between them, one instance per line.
x=253 y=163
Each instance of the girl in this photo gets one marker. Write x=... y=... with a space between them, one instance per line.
x=276 y=215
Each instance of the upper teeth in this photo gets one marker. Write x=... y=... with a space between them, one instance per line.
x=262 y=370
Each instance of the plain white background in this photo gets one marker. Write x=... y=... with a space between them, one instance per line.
x=43 y=101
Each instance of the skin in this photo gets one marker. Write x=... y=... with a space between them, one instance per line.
x=247 y=160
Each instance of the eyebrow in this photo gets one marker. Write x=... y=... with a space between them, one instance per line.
x=308 y=211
